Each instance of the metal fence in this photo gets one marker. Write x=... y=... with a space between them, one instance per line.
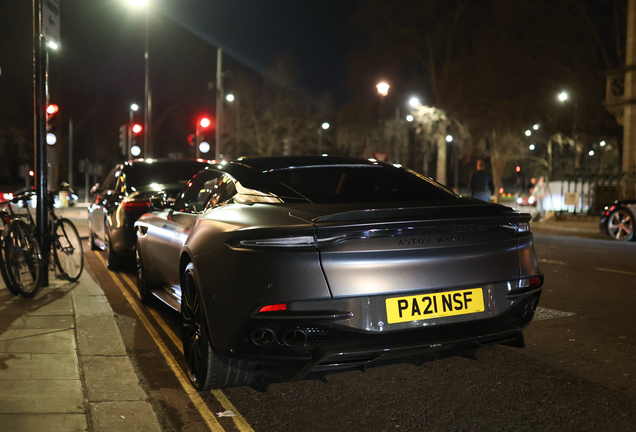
x=589 y=193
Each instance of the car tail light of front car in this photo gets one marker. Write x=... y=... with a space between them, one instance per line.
x=136 y=206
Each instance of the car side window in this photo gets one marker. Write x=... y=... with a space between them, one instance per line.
x=224 y=191
x=195 y=197
x=111 y=180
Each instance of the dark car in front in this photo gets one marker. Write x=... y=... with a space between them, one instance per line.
x=124 y=196
x=298 y=264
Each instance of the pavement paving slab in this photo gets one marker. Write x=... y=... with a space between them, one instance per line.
x=99 y=335
x=38 y=366
x=111 y=379
x=35 y=422
x=41 y=396
x=124 y=417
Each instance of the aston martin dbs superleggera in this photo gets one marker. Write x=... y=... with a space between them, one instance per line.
x=297 y=264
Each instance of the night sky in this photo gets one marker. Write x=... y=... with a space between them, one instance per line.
x=99 y=70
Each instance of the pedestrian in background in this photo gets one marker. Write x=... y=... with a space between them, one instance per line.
x=480 y=184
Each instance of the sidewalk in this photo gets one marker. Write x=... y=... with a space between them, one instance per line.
x=63 y=365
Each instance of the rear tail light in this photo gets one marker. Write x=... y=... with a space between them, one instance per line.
x=293 y=242
x=135 y=206
x=525 y=285
x=273 y=308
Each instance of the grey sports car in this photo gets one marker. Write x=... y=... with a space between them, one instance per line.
x=296 y=264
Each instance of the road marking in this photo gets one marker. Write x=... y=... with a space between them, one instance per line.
x=547 y=261
x=616 y=271
x=207 y=415
x=240 y=422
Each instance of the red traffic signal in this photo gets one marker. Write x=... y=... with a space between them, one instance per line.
x=205 y=122
x=518 y=169
x=136 y=128
x=52 y=109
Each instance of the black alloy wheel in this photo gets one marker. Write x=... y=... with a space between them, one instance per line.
x=206 y=369
x=620 y=224
x=142 y=282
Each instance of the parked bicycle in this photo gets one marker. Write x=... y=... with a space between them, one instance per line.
x=21 y=254
x=67 y=256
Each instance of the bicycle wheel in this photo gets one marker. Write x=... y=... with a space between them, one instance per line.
x=3 y=265
x=23 y=258
x=67 y=249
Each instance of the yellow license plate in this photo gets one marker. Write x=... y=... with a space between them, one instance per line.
x=434 y=305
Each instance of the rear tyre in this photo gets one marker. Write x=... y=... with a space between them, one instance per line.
x=113 y=261
x=23 y=258
x=67 y=250
x=620 y=225
x=91 y=241
x=3 y=266
x=206 y=369
x=142 y=282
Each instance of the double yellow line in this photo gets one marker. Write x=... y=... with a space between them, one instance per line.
x=194 y=396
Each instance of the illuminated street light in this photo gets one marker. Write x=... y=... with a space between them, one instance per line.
x=414 y=102
x=138 y=3
x=531 y=147
x=602 y=143
x=52 y=45
x=449 y=138
x=563 y=96
x=383 y=88
x=134 y=107
x=535 y=127
x=528 y=132
x=410 y=118
x=591 y=153
x=325 y=125
x=229 y=97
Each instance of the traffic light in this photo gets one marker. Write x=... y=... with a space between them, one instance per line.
x=136 y=129
x=51 y=110
x=518 y=169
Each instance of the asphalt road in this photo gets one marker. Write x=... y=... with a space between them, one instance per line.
x=576 y=373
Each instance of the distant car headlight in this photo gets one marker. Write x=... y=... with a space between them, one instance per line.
x=531 y=200
x=519 y=200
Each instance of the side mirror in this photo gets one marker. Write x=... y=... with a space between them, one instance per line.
x=160 y=202
x=95 y=189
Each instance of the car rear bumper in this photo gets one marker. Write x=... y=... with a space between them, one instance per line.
x=291 y=346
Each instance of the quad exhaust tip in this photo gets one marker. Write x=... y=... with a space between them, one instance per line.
x=293 y=338
x=262 y=337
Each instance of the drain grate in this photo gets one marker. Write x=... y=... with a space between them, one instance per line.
x=546 y=314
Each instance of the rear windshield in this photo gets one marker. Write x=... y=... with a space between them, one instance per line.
x=143 y=174
x=358 y=184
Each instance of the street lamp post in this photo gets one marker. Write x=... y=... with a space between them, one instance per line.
x=324 y=126
x=147 y=93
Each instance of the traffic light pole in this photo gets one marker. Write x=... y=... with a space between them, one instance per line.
x=39 y=109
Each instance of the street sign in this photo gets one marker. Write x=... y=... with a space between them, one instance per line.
x=51 y=20
x=571 y=198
